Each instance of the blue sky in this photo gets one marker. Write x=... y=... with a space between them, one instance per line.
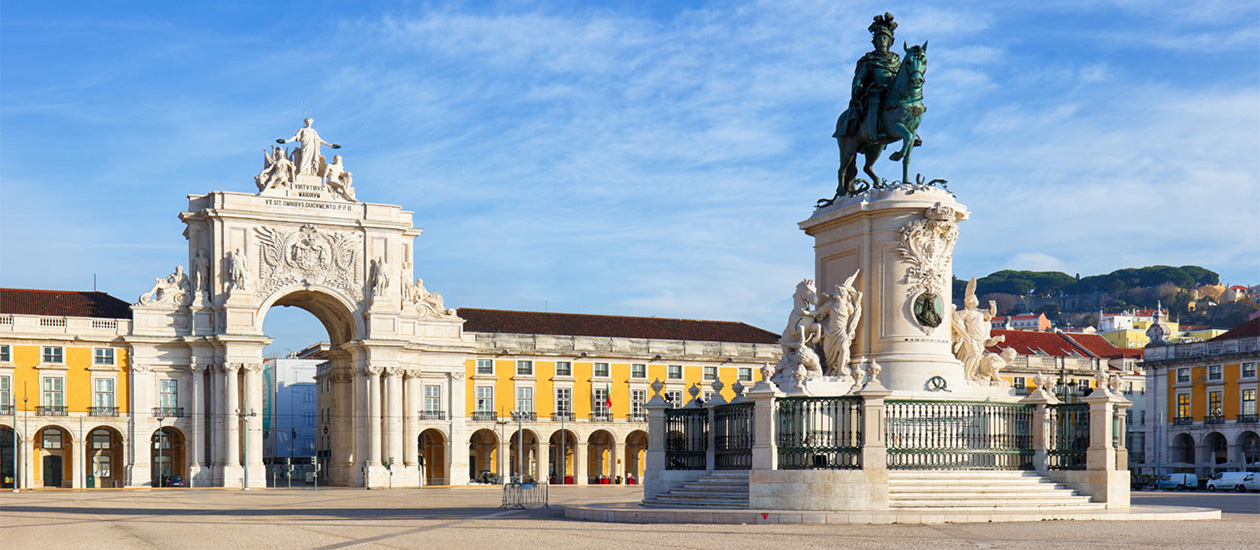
x=638 y=158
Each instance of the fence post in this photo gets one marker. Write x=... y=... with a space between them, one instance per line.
x=655 y=460
x=1039 y=399
x=710 y=409
x=1107 y=483
x=874 y=440
x=765 y=455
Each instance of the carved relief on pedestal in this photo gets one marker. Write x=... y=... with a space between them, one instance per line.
x=309 y=255
x=172 y=290
x=429 y=305
x=927 y=244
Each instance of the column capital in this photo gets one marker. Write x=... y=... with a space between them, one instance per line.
x=372 y=370
x=232 y=367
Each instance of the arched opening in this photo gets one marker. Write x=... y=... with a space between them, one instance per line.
x=601 y=449
x=307 y=423
x=1183 y=449
x=432 y=457
x=483 y=457
x=523 y=467
x=562 y=445
x=53 y=452
x=167 y=457
x=1249 y=451
x=636 y=451
x=10 y=471
x=105 y=458
x=1215 y=449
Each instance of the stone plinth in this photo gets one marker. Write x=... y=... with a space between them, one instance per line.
x=902 y=239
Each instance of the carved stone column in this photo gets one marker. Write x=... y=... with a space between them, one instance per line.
x=231 y=421
x=394 y=415
x=374 y=416
x=215 y=404
x=411 y=410
x=197 y=403
x=253 y=408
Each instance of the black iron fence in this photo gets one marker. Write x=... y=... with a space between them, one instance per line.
x=954 y=435
x=819 y=432
x=686 y=439
x=1069 y=436
x=733 y=436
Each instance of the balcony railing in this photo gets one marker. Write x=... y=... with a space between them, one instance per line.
x=168 y=412
x=565 y=416
x=7 y=409
x=1215 y=419
x=638 y=417
x=601 y=417
x=1246 y=419
x=485 y=416
x=102 y=411
x=528 y=416
x=50 y=410
x=432 y=415
x=1183 y=421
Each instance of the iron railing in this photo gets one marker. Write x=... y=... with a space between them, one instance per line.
x=733 y=437
x=605 y=416
x=102 y=411
x=50 y=410
x=432 y=415
x=168 y=412
x=686 y=439
x=565 y=416
x=1246 y=419
x=1069 y=436
x=485 y=416
x=6 y=409
x=1214 y=419
x=819 y=432
x=955 y=435
x=1183 y=421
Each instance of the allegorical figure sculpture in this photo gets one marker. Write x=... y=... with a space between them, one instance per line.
x=238 y=271
x=337 y=178
x=378 y=277
x=885 y=106
x=201 y=272
x=799 y=358
x=278 y=170
x=841 y=312
x=308 y=141
x=173 y=289
x=971 y=332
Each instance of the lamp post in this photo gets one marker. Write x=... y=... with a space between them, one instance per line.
x=243 y=417
x=26 y=428
x=16 y=483
x=161 y=415
x=520 y=444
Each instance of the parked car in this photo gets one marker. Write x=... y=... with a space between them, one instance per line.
x=173 y=481
x=1252 y=482
x=1180 y=482
x=1139 y=483
x=1229 y=481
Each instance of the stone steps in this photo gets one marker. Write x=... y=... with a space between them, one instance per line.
x=717 y=490
x=977 y=491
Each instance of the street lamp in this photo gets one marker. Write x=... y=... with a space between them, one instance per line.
x=243 y=416
x=161 y=415
x=16 y=483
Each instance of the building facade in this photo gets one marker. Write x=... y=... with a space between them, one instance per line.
x=1204 y=397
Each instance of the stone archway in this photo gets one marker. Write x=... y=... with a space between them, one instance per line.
x=601 y=448
x=432 y=456
x=53 y=457
x=526 y=466
x=483 y=456
x=636 y=451
x=1248 y=446
x=167 y=448
x=105 y=465
x=1215 y=450
x=10 y=465
x=562 y=446
x=1183 y=449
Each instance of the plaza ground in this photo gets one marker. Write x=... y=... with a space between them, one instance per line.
x=469 y=517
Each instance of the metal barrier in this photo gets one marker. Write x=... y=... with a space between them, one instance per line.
x=819 y=432
x=686 y=439
x=958 y=435
x=1069 y=436
x=733 y=436
x=525 y=496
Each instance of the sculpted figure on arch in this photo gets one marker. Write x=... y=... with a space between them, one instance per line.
x=308 y=146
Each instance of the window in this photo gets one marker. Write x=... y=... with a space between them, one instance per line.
x=485 y=399
x=6 y=391
x=674 y=397
x=1021 y=386
x=308 y=396
x=485 y=366
x=745 y=374
x=1183 y=405
x=54 y=388
x=1248 y=369
x=1214 y=372
x=102 y=465
x=525 y=399
x=600 y=404
x=169 y=394
x=1183 y=376
x=564 y=368
x=53 y=354
x=710 y=373
x=673 y=372
x=308 y=419
x=706 y=397
x=432 y=398
x=103 y=356
x=601 y=370
x=103 y=392
x=525 y=368
x=52 y=439
x=638 y=371
x=564 y=401
x=5 y=357
x=1215 y=406
x=637 y=400
x=1248 y=402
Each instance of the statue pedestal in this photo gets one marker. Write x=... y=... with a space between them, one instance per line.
x=902 y=239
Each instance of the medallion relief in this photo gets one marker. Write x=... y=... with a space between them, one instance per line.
x=927 y=245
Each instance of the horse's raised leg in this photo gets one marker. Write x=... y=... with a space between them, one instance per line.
x=872 y=155
x=907 y=145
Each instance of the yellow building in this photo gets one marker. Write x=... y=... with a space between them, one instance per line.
x=63 y=389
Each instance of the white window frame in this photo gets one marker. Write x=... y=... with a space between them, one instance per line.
x=477 y=399
x=709 y=373
x=6 y=390
x=162 y=393
x=104 y=357
x=1243 y=401
x=669 y=372
x=525 y=365
x=60 y=392
x=564 y=400
x=599 y=406
x=1215 y=373
x=1242 y=369
x=489 y=363
x=607 y=368
x=57 y=354
x=524 y=399
x=674 y=398
x=96 y=391
x=1220 y=401
x=6 y=353
x=639 y=371
x=567 y=369
x=434 y=399
x=1189 y=377
x=1189 y=404
x=638 y=403
x=744 y=374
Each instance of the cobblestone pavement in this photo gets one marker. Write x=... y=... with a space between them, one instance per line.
x=469 y=517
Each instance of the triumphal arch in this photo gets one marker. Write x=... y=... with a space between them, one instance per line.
x=303 y=239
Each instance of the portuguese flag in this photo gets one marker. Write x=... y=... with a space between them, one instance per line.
x=608 y=396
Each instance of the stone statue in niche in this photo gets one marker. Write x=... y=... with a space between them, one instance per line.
x=201 y=272
x=841 y=312
x=309 y=142
x=173 y=289
x=278 y=170
x=971 y=332
x=378 y=277
x=238 y=271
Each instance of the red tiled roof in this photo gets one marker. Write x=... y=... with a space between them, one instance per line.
x=574 y=324
x=1036 y=343
x=62 y=303
x=1249 y=329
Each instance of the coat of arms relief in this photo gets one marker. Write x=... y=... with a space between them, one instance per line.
x=309 y=255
